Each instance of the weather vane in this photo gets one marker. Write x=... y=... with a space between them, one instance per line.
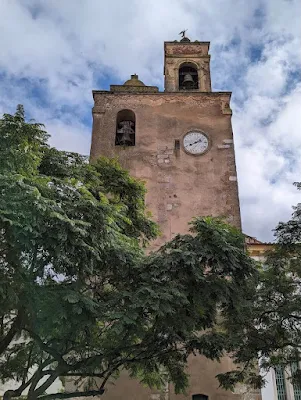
x=183 y=33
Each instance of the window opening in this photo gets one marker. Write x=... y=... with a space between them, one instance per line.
x=125 y=128
x=280 y=383
x=188 y=77
x=296 y=387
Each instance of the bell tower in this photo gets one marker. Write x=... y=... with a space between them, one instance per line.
x=180 y=143
x=187 y=66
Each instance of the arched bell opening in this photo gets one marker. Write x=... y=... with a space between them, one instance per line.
x=188 y=77
x=125 y=128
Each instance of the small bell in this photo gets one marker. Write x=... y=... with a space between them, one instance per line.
x=188 y=80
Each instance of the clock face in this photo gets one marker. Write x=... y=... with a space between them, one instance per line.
x=196 y=142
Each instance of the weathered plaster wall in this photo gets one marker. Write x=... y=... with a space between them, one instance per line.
x=179 y=186
x=201 y=380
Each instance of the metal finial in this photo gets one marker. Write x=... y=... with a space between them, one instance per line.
x=183 y=33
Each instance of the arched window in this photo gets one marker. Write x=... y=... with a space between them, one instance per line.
x=199 y=397
x=125 y=128
x=188 y=77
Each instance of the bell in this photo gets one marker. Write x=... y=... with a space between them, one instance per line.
x=188 y=80
x=125 y=139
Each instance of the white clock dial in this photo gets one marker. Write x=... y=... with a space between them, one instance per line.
x=195 y=142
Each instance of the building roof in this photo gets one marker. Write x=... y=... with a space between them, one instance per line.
x=249 y=240
x=252 y=240
x=255 y=248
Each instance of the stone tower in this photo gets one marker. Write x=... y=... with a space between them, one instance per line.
x=180 y=143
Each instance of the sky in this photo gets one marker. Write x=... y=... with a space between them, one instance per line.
x=53 y=53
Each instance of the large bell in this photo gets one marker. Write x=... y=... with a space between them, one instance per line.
x=125 y=133
x=188 y=80
x=125 y=139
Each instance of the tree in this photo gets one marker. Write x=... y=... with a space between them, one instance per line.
x=273 y=331
x=78 y=295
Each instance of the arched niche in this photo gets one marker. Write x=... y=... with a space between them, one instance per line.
x=188 y=76
x=125 y=128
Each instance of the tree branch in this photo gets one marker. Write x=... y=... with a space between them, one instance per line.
x=5 y=342
x=49 y=350
x=28 y=365
x=49 y=381
x=79 y=374
x=16 y=393
x=36 y=377
x=71 y=395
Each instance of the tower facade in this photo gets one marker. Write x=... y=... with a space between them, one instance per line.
x=180 y=143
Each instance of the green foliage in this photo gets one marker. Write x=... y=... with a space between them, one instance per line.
x=273 y=332
x=79 y=298
x=21 y=145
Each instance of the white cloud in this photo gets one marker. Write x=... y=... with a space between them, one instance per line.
x=73 y=137
x=67 y=48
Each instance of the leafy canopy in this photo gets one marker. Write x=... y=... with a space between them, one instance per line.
x=274 y=331
x=78 y=296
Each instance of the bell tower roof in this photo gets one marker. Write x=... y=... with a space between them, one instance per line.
x=185 y=39
x=134 y=81
x=133 y=85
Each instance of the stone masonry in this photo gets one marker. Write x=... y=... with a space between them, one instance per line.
x=180 y=186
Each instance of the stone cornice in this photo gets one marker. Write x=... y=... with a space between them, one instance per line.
x=181 y=93
x=133 y=89
x=185 y=43
x=187 y=55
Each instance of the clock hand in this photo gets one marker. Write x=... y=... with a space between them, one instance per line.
x=191 y=144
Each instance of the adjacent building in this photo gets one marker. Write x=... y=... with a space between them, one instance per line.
x=278 y=383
